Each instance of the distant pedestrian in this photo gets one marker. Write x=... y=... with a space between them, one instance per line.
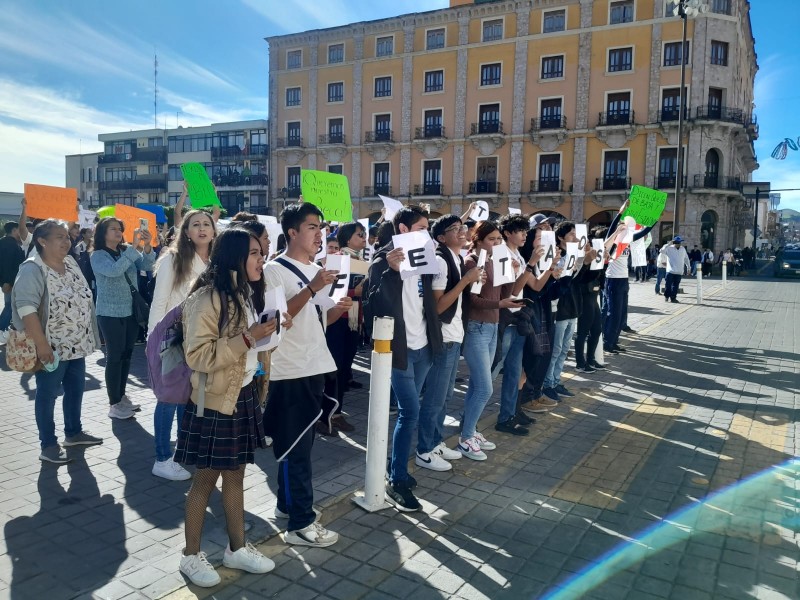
x=677 y=266
x=708 y=262
x=661 y=269
x=696 y=259
x=12 y=254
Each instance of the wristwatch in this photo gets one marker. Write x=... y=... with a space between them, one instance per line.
x=529 y=268
x=313 y=293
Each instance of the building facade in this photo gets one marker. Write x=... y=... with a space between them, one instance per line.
x=143 y=167
x=82 y=173
x=554 y=105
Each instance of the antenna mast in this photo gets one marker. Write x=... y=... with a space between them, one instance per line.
x=155 y=91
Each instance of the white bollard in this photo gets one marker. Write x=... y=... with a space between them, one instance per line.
x=699 y=286
x=378 y=425
x=724 y=273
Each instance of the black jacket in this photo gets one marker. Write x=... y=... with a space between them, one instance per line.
x=383 y=298
x=454 y=274
x=11 y=257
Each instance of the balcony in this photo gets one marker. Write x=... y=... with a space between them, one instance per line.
x=326 y=139
x=487 y=126
x=666 y=181
x=110 y=159
x=380 y=135
x=226 y=152
x=485 y=187
x=429 y=132
x=290 y=192
x=428 y=189
x=752 y=127
x=721 y=7
x=151 y=154
x=717 y=182
x=546 y=185
x=143 y=183
x=673 y=114
x=612 y=183
x=384 y=189
x=721 y=113
x=616 y=117
x=555 y=122
x=549 y=132
x=295 y=141
x=257 y=150
x=237 y=180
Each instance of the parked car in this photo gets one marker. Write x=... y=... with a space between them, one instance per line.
x=787 y=263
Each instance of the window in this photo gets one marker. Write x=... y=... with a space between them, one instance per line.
x=151 y=169
x=383 y=87
x=620 y=59
x=552 y=67
x=384 y=46
x=715 y=103
x=293 y=135
x=336 y=92
x=336 y=131
x=294 y=59
x=615 y=170
x=489 y=118
x=549 y=172
x=721 y=7
x=335 y=53
x=89 y=174
x=383 y=128
x=672 y=54
x=434 y=39
x=293 y=182
x=550 y=114
x=621 y=12
x=486 y=176
x=667 y=167
x=434 y=81
x=155 y=142
x=618 y=109
x=338 y=169
x=174 y=173
x=258 y=199
x=293 y=96
x=432 y=177
x=554 y=20
x=380 y=178
x=492 y=30
x=719 y=53
x=670 y=104
x=433 y=123
x=490 y=74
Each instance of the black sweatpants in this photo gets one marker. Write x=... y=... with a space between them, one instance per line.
x=589 y=328
x=119 y=334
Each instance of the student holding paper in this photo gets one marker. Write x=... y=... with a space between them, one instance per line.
x=590 y=326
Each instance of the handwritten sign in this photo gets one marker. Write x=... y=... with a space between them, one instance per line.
x=478 y=286
x=328 y=296
x=201 y=190
x=130 y=216
x=391 y=205
x=571 y=258
x=548 y=240
x=502 y=269
x=86 y=218
x=646 y=205
x=514 y=211
x=583 y=238
x=50 y=202
x=480 y=212
x=597 y=263
x=274 y=307
x=328 y=191
x=420 y=254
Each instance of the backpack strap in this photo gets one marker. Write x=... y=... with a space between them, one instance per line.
x=285 y=263
x=203 y=377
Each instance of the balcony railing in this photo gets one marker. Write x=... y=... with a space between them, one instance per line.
x=156 y=183
x=258 y=150
x=380 y=135
x=384 y=189
x=721 y=7
x=611 y=183
x=666 y=181
x=616 y=117
x=484 y=187
x=487 y=126
x=428 y=189
x=546 y=185
x=331 y=138
x=155 y=154
x=237 y=180
x=721 y=113
x=290 y=142
x=291 y=191
x=717 y=182
x=428 y=132
x=673 y=114
x=557 y=122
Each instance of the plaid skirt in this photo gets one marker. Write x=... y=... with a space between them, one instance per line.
x=222 y=442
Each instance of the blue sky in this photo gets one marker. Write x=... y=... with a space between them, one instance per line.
x=69 y=71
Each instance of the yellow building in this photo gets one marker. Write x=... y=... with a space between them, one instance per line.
x=543 y=105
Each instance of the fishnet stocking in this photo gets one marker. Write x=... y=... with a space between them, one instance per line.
x=203 y=483
x=233 y=503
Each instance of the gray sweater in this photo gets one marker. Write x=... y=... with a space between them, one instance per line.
x=113 y=292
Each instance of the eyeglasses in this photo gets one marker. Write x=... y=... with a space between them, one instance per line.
x=361 y=234
x=457 y=228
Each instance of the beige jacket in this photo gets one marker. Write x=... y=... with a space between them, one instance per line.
x=222 y=355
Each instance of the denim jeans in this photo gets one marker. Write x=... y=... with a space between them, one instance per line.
x=511 y=360
x=561 y=344
x=5 y=316
x=407 y=385
x=71 y=374
x=480 y=343
x=673 y=283
x=662 y=273
x=162 y=426
x=616 y=302
x=438 y=392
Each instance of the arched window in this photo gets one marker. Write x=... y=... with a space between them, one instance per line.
x=708 y=228
x=712 y=169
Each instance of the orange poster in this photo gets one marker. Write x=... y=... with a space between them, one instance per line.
x=49 y=202
x=130 y=215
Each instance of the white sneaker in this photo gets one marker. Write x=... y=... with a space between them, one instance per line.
x=484 y=443
x=279 y=514
x=247 y=558
x=119 y=412
x=199 y=571
x=126 y=402
x=313 y=535
x=471 y=448
x=169 y=469
x=446 y=453
x=432 y=461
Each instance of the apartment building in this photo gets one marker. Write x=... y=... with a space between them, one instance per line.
x=544 y=105
x=143 y=167
x=82 y=174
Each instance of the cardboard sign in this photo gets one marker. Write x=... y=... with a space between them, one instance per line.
x=514 y=211
x=368 y=252
x=50 y=202
x=502 y=269
x=328 y=296
x=391 y=205
x=328 y=191
x=583 y=237
x=365 y=223
x=201 y=190
x=480 y=212
x=420 y=252
x=274 y=307
x=597 y=263
x=638 y=253
x=645 y=205
x=130 y=215
x=571 y=258
x=157 y=210
x=478 y=286
x=86 y=218
x=548 y=240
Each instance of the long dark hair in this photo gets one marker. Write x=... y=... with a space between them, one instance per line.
x=100 y=234
x=226 y=273
x=183 y=248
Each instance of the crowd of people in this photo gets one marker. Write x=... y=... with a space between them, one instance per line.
x=74 y=291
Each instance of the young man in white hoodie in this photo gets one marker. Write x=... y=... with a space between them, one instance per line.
x=677 y=264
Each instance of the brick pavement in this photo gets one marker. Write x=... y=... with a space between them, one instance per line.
x=603 y=500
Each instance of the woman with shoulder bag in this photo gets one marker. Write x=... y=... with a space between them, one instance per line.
x=116 y=266
x=52 y=304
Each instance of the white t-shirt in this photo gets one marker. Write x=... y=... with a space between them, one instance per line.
x=454 y=330
x=414 y=313
x=618 y=267
x=303 y=350
x=251 y=362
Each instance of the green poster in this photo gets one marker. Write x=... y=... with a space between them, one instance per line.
x=330 y=192
x=201 y=190
x=645 y=205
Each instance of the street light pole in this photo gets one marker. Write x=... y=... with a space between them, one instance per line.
x=681 y=108
x=755 y=222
